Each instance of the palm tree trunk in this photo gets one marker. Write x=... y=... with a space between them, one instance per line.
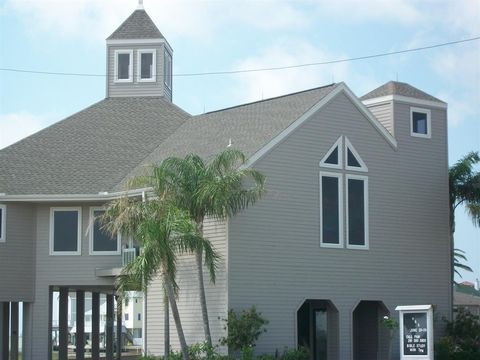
x=176 y=315
x=166 y=327
x=203 y=299
x=452 y=258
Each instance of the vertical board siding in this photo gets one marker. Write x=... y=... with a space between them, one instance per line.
x=62 y=271
x=188 y=301
x=384 y=113
x=275 y=261
x=17 y=261
x=135 y=88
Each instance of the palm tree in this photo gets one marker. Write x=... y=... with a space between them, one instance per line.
x=219 y=188
x=464 y=184
x=458 y=256
x=164 y=231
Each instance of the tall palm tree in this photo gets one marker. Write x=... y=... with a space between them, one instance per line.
x=219 y=188
x=164 y=231
x=464 y=184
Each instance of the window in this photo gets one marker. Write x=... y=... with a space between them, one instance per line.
x=3 y=222
x=147 y=64
x=123 y=65
x=420 y=122
x=126 y=317
x=139 y=317
x=334 y=189
x=167 y=69
x=331 y=223
x=101 y=242
x=65 y=231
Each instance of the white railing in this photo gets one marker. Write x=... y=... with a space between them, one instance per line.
x=128 y=255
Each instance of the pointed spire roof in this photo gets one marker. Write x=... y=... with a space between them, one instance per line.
x=399 y=88
x=137 y=26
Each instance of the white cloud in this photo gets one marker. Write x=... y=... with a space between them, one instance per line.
x=16 y=126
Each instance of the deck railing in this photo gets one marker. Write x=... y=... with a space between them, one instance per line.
x=128 y=255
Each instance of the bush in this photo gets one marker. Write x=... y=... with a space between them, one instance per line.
x=265 y=357
x=243 y=330
x=296 y=354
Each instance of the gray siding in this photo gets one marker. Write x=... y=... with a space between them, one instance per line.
x=188 y=302
x=275 y=261
x=17 y=260
x=135 y=88
x=61 y=271
x=384 y=113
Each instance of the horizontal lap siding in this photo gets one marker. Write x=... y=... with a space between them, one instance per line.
x=188 y=302
x=17 y=261
x=275 y=261
x=384 y=113
x=62 y=271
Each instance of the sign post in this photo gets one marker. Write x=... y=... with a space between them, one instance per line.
x=416 y=332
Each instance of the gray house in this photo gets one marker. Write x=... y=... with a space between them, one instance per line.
x=355 y=221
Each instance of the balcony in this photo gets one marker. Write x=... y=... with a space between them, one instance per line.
x=128 y=255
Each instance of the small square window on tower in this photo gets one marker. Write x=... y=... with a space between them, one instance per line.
x=420 y=123
x=147 y=64
x=123 y=66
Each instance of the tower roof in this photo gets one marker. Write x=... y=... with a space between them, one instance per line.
x=399 y=88
x=137 y=26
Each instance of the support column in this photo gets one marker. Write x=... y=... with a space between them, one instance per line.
x=63 y=324
x=80 y=320
x=119 y=329
x=14 y=331
x=27 y=331
x=109 y=330
x=5 y=330
x=95 y=325
x=50 y=322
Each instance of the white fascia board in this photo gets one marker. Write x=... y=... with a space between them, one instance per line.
x=339 y=88
x=406 y=99
x=73 y=197
x=413 y=307
x=140 y=42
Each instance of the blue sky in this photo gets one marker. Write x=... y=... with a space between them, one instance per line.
x=212 y=35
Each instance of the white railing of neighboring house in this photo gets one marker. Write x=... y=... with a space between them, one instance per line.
x=128 y=255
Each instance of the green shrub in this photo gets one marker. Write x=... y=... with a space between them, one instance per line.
x=243 y=330
x=296 y=354
x=265 y=357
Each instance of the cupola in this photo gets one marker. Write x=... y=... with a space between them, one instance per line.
x=139 y=59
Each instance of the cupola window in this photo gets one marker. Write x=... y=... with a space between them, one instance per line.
x=420 y=122
x=147 y=65
x=123 y=65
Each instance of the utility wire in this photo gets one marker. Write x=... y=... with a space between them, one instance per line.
x=262 y=69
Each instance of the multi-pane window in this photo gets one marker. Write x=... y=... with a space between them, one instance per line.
x=123 y=65
x=343 y=198
x=3 y=222
x=65 y=231
x=146 y=65
x=420 y=124
x=101 y=242
x=167 y=69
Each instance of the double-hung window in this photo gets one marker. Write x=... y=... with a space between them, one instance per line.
x=146 y=65
x=343 y=198
x=101 y=242
x=123 y=70
x=3 y=223
x=167 y=69
x=65 y=230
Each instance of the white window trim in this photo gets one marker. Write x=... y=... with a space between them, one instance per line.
x=428 y=112
x=154 y=65
x=340 y=210
x=130 y=67
x=79 y=231
x=3 y=234
x=365 y=207
x=167 y=85
x=338 y=144
x=349 y=146
x=91 y=234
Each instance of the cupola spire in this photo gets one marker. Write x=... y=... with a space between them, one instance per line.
x=140 y=5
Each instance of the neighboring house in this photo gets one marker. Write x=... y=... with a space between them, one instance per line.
x=467 y=297
x=354 y=223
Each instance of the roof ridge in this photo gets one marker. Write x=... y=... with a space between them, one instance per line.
x=264 y=100
x=148 y=25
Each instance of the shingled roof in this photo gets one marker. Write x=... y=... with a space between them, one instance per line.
x=90 y=151
x=399 y=88
x=137 y=26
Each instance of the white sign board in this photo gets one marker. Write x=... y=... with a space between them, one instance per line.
x=416 y=332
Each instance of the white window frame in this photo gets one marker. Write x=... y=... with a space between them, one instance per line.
x=339 y=176
x=3 y=234
x=428 y=112
x=168 y=69
x=349 y=146
x=154 y=65
x=365 y=211
x=130 y=66
x=91 y=235
x=79 y=231
x=338 y=144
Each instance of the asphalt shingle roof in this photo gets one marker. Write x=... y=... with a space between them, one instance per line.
x=137 y=26
x=399 y=88
x=90 y=151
